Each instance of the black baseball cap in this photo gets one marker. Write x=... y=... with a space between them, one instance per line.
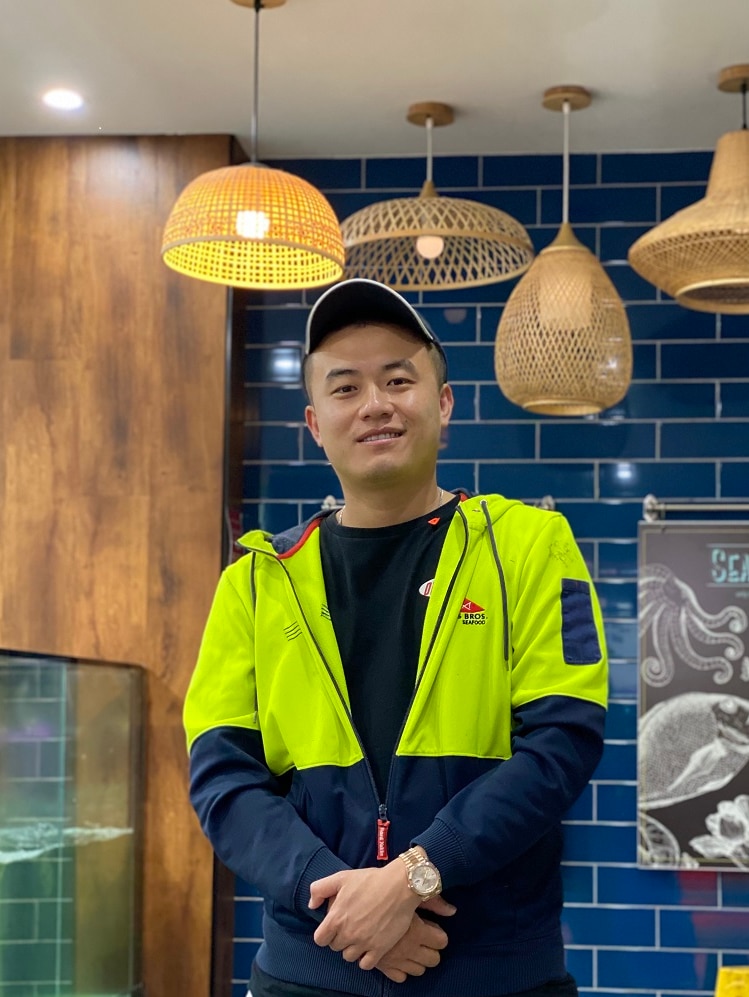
x=362 y=300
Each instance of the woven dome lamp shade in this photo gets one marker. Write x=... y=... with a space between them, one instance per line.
x=700 y=255
x=432 y=242
x=563 y=344
x=255 y=227
x=252 y=226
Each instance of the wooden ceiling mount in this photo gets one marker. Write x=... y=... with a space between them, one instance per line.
x=441 y=114
x=264 y=4
x=732 y=79
x=555 y=97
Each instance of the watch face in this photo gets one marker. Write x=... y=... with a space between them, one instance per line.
x=424 y=878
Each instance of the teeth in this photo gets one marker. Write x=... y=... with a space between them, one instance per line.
x=382 y=436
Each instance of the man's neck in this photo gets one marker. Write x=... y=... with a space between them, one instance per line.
x=376 y=508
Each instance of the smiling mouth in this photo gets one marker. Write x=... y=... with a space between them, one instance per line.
x=380 y=437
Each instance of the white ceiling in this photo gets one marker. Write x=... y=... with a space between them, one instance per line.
x=336 y=76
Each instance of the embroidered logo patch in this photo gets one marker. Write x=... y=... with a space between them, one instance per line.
x=471 y=614
x=560 y=551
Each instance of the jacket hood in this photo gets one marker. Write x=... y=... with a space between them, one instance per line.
x=472 y=506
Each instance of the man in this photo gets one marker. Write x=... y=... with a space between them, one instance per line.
x=395 y=704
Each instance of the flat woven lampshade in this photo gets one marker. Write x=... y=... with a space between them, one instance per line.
x=480 y=244
x=255 y=227
x=700 y=255
x=563 y=345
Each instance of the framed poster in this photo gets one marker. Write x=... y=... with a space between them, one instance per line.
x=693 y=702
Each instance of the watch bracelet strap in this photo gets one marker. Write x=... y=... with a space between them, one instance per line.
x=412 y=858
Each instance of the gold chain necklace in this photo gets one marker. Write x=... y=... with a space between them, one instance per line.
x=339 y=514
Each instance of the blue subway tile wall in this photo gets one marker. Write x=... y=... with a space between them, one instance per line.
x=681 y=433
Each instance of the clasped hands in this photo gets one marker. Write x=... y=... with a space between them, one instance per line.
x=372 y=919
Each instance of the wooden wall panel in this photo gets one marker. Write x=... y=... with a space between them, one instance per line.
x=7 y=204
x=38 y=279
x=111 y=453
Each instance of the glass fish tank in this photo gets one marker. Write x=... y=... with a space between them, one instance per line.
x=71 y=817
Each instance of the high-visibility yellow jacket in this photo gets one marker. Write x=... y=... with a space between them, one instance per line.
x=503 y=732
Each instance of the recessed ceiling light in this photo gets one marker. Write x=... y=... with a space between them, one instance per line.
x=63 y=100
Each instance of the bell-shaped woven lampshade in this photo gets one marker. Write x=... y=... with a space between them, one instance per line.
x=700 y=255
x=255 y=227
x=431 y=242
x=563 y=344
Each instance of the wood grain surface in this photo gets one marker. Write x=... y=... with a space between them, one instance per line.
x=111 y=452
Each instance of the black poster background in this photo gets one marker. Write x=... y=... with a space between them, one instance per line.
x=693 y=709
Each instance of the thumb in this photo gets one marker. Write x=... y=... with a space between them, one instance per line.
x=323 y=889
x=438 y=905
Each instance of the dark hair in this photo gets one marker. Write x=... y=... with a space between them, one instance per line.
x=435 y=355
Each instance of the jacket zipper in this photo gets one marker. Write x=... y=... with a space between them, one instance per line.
x=383 y=822
x=420 y=675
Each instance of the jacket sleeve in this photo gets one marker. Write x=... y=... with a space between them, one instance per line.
x=241 y=804
x=559 y=682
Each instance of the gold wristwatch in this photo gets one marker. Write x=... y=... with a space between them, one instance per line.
x=423 y=876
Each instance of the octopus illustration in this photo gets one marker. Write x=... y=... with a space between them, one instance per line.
x=669 y=610
x=689 y=745
x=657 y=845
x=728 y=833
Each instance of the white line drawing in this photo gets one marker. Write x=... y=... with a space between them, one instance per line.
x=669 y=609
x=729 y=832
x=689 y=745
x=658 y=846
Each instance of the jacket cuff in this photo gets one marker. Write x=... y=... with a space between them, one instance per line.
x=323 y=863
x=444 y=851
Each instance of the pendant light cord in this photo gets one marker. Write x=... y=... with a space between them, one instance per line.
x=256 y=84
x=566 y=165
x=429 y=126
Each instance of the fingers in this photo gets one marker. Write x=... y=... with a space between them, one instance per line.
x=403 y=968
x=324 y=889
x=370 y=959
x=412 y=968
x=437 y=905
x=417 y=951
x=427 y=958
x=325 y=934
x=430 y=934
x=350 y=951
x=396 y=975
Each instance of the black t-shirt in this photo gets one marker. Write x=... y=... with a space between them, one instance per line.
x=376 y=582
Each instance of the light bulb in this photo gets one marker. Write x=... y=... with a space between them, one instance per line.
x=63 y=100
x=252 y=224
x=430 y=246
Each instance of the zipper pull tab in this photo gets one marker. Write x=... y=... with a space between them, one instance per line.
x=383 y=826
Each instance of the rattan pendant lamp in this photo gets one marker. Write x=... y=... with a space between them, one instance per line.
x=252 y=226
x=700 y=255
x=563 y=345
x=431 y=242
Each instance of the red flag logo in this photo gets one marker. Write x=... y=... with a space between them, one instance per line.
x=470 y=607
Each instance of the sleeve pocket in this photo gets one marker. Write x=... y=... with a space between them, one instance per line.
x=579 y=634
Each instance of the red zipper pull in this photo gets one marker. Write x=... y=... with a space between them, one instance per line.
x=383 y=826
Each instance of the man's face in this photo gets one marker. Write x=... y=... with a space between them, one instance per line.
x=377 y=408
